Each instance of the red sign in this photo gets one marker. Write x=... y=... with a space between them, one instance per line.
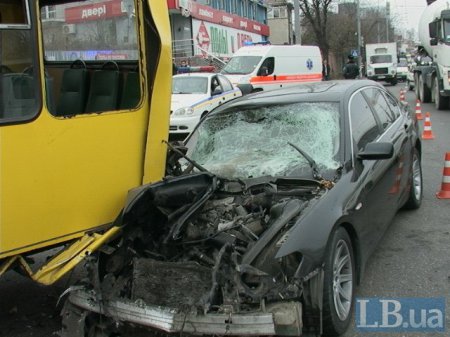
x=210 y=14
x=101 y=10
x=203 y=38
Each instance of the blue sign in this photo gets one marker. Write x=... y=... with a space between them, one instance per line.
x=354 y=53
x=400 y=314
x=309 y=64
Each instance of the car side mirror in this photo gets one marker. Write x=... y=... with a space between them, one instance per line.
x=245 y=88
x=217 y=91
x=376 y=151
x=433 y=41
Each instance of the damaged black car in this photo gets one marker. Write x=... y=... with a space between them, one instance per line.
x=263 y=225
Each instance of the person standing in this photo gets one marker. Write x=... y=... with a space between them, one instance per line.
x=326 y=69
x=351 y=70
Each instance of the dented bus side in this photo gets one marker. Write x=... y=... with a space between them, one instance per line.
x=84 y=113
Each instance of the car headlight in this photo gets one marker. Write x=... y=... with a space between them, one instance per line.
x=370 y=73
x=184 y=111
x=393 y=72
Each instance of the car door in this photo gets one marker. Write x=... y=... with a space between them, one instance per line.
x=365 y=128
x=405 y=126
x=387 y=174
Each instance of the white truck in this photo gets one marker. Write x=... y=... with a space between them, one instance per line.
x=432 y=70
x=381 y=62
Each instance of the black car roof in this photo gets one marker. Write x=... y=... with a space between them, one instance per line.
x=326 y=91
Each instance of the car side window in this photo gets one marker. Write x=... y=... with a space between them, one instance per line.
x=214 y=84
x=226 y=84
x=363 y=123
x=394 y=105
x=378 y=102
x=267 y=67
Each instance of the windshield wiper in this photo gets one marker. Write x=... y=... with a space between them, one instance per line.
x=191 y=161
x=312 y=163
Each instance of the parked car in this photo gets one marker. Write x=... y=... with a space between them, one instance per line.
x=402 y=70
x=193 y=96
x=410 y=77
x=276 y=201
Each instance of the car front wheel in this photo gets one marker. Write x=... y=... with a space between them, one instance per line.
x=416 y=189
x=339 y=281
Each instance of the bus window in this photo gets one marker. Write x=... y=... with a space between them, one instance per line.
x=14 y=14
x=19 y=91
x=92 y=49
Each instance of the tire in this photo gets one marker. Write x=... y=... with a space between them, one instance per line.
x=441 y=102
x=410 y=86
x=394 y=82
x=416 y=184
x=425 y=92
x=339 y=282
x=416 y=86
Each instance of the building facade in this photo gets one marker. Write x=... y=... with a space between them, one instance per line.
x=216 y=28
x=279 y=19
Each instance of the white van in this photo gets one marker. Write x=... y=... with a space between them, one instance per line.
x=268 y=67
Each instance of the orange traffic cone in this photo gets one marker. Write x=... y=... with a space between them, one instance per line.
x=444 y=193
x=419 y=115
x=398 y=177
x=427 y=132
x=402 y=95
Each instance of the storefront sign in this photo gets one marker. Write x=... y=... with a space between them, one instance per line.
x=102 y=10
x=220 y=40
x=212 y=15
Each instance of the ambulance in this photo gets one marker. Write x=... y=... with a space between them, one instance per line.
x=268 y=67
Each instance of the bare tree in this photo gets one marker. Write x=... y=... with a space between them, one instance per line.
x=316 y=13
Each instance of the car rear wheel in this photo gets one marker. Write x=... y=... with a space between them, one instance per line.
x=339 y=280
x=416 y=190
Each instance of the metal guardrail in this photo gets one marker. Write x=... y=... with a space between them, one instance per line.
x=188 y=51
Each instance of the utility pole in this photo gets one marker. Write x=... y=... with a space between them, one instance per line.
x=358 y=23
x=298 y=29
x=388 y=11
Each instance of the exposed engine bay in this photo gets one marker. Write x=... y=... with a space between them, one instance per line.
x=200 y=245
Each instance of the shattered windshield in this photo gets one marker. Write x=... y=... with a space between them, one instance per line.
x=254 y=142
x=241 y=65
x=189 y=85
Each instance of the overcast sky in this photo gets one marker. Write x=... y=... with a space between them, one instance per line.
x=405 y=12
x=408 y=12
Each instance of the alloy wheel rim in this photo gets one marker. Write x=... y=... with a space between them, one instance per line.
x=417 y=179
x=342 y=280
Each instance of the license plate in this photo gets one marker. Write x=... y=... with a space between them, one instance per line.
x=381 y=77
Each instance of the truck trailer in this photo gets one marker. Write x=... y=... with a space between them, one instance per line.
x=432 y=72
